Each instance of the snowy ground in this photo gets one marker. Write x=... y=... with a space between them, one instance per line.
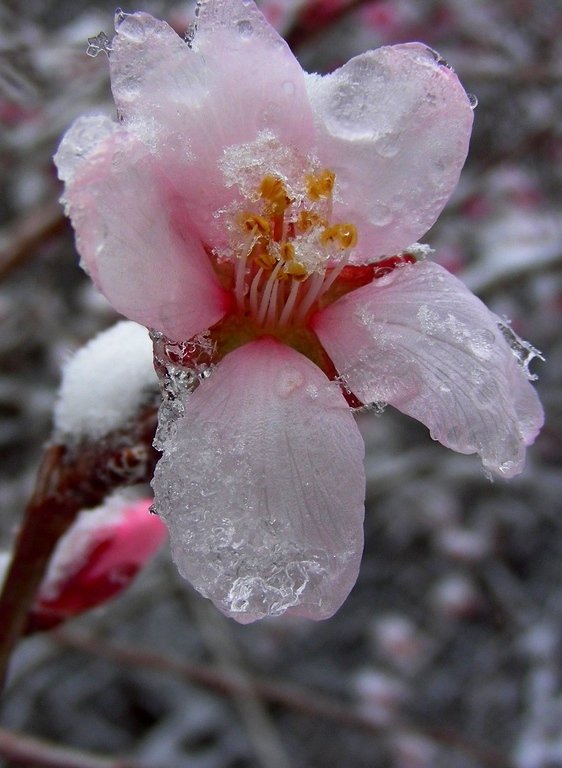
x=448 y=652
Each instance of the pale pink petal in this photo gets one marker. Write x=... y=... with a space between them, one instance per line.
x=189 y=103
x=419 y=340
x=136 y=240
x=262 y=487
x=394 y=125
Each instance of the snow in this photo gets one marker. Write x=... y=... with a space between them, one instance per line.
x=105 y=383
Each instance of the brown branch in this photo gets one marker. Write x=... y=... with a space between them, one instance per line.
x=288 y=695
x=24 y=750
x=70 y=479
x=28 y=233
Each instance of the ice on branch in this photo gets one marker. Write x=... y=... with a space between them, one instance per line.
x=105 y=382
x=272 y=213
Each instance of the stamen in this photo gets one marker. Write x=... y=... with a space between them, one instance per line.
x=321 y=185
x=254 y=292
x=314 y=288
x=271 y=281
x=240 y=279
x=343 y=235
x=290 y=302
x=272 y=310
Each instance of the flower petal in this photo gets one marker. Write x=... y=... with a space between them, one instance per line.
x=262 y=487
x=189 y=103
x=419 y=340
x=135 y=238
x=394 y=124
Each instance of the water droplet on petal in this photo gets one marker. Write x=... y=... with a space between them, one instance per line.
x=290 y=379
x=387 y=146
x=380 y=215
x=289 y=87
x=472 y=100
x=245 y=29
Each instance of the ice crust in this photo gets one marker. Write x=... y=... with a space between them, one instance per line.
x=262 y=487
x=105 y=382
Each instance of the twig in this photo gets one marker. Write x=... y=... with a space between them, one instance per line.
x=28 y=233
x=216 y=633
x=69 y=480
x=24 y=750
x=290 y=696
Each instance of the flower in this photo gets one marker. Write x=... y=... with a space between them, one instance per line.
x=97 y=559
x=262 y=218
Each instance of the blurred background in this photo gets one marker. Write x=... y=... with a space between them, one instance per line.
x=448 y=652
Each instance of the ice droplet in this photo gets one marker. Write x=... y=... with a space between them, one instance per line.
x=472 y=100
x=290 y=379
x=380 y=215
x=387 y=146
x=288 y=87
x=245 y=29
x=98 y=44
x=438 y=58
x=523 y=351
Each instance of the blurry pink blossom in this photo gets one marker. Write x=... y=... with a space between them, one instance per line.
x=97 y=559
x=266 y=216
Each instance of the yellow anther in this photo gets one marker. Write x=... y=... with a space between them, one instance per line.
x=261 y=256
x=252 y=222
x=307 y=219
x=296 y=269
x=287 y=251
x=273 y=191
x=320 y=186
x=344 y=235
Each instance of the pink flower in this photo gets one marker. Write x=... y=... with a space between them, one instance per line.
x=96 y=560
x=266 y=215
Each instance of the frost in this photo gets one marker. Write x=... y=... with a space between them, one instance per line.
x=105 y=383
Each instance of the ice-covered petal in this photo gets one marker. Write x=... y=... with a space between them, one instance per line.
x=421 y=341
x=394 y=124
x=136 y=240
x=235 y=79
x=262 y=487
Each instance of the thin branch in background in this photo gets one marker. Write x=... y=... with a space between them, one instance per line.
x=34 y=229
x=24 y=750
x=288 y=695
x=69 y=480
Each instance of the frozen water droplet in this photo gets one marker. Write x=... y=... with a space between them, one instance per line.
x=472 y=100
x=387 y=146
x=289 y=87
x=245 y=29
x=380 y=215
x=98 y=44
x=523 y=351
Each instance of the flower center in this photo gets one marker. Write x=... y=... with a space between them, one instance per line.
x=288 y=249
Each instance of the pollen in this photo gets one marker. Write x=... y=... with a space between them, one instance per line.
x=320 y=186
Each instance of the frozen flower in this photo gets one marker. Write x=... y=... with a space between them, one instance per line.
x=264 y=216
